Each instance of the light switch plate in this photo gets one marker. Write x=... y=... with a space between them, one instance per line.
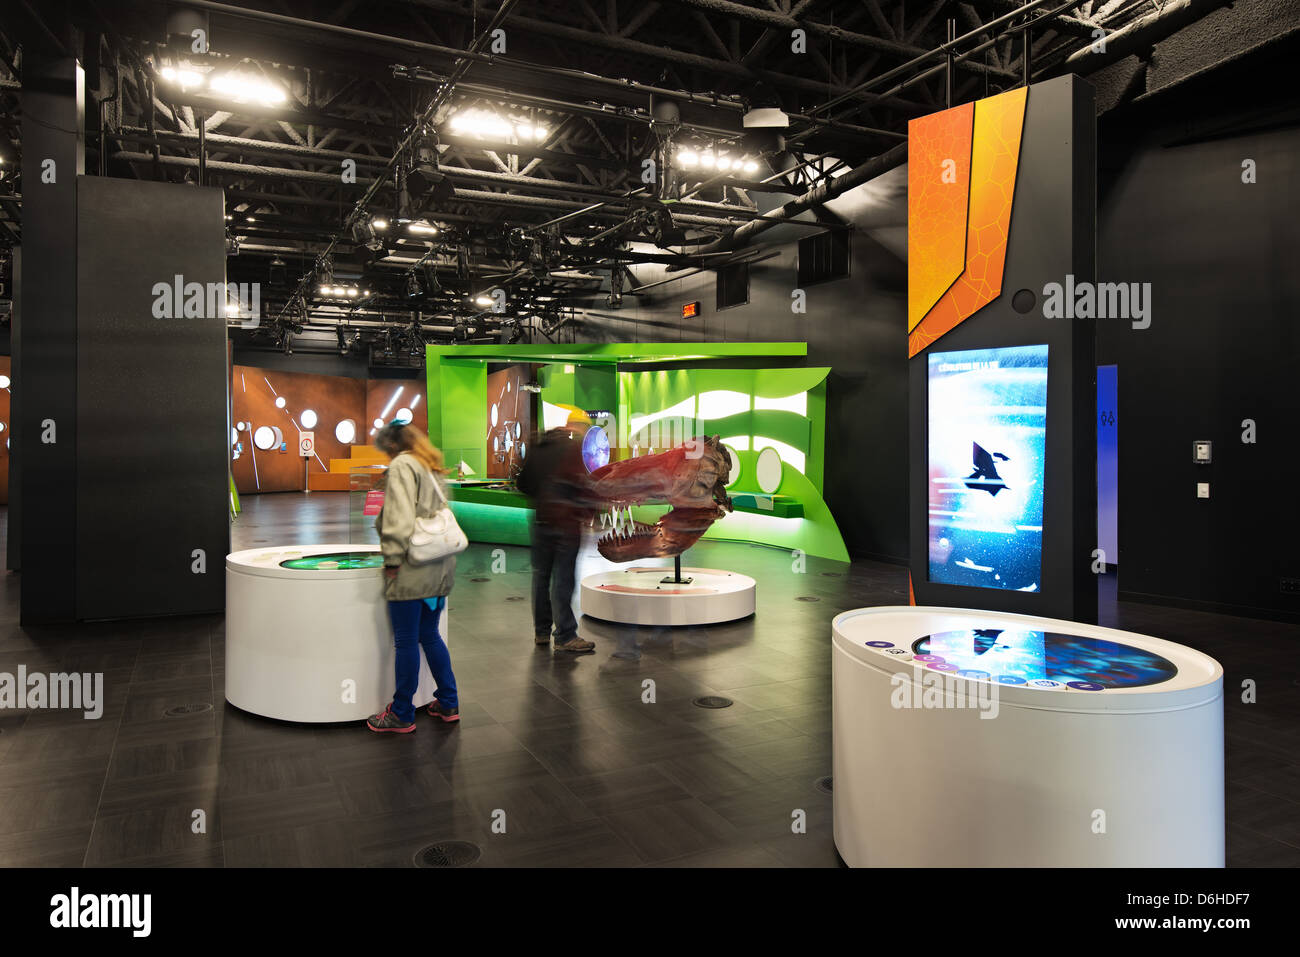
x=1202 y=450
x=1202 y=489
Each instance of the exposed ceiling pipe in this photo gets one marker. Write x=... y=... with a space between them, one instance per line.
x=816 y=196
x=1136 y=35
x=785 y=22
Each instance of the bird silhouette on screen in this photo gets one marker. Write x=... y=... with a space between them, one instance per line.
x=985 y=477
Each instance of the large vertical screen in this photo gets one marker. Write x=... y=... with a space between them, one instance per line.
x=987 y=429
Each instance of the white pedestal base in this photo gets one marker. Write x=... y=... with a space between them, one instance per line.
x=310 y=645
x=1055 y=775
x=638 y=596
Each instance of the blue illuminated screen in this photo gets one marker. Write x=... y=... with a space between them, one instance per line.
x=986 y=445
x=1019 y=656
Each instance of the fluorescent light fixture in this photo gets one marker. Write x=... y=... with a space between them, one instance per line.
x=415 y=401
x=422 y=229
x=391 y=402
x=483 y=300
x=379 y=224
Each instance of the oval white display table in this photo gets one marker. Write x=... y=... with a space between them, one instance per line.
x=1009 y=740
x=639 y=596
x=310 y=644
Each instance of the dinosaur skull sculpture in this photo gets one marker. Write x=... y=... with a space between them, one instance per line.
x=692 y=478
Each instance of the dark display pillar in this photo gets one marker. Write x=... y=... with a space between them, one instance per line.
x=45 y=339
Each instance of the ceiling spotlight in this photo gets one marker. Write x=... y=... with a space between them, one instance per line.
x=480 y=123
x=751 y=166
x=379 y=223
x=484 y=300
x=422 y=229
x=243 y=88
x=232 y=308
x=352 y=291
x=687 y=158
x=337 y=290
x=182 y=77
x=724 y=162
x=324 y=290
x=707 y=160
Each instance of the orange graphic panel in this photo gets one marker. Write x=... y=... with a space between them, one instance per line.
x=938 y=186
x=995 y=154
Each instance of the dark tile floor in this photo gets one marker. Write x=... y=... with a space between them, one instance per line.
x=586 y=773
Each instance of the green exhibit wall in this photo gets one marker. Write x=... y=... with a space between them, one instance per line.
x=749 y=408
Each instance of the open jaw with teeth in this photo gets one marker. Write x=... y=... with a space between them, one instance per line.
x=692 y=478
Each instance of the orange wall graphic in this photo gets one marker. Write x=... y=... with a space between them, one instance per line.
x=994 y=154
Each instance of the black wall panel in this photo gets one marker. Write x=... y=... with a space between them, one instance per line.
x=45 y=342
x=1223 y=345
x=151 y=403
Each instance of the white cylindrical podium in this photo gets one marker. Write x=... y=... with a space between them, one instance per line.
x=647 y=595
x=969 y=738
x=307 y=634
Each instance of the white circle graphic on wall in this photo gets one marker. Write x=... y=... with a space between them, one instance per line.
x=768 y=470
x=735 y=465
x=346 y=432
x=308 y=419
x=404 y=416
x=494 y=415
x=279 y=402
x=264 y=438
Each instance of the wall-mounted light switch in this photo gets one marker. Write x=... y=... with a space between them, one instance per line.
x=1202 y=489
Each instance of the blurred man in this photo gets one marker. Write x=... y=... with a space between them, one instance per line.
x=555 y=477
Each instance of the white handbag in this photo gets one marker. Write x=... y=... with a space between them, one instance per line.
x=438 y=536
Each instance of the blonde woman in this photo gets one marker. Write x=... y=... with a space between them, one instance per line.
x=416 y=594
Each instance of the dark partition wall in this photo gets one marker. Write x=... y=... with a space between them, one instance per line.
x=152 y=480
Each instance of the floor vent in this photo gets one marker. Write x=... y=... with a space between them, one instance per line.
x=181 y=710
x=712 y=701
x=448 y=854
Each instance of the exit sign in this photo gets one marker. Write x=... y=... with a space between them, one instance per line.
x=691 y=310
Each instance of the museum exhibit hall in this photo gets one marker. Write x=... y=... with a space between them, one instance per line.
x=493 y=435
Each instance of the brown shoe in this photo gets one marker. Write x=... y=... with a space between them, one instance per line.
x=542 y=639
x=576 y=646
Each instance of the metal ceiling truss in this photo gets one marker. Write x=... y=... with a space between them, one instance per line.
x=373 y=87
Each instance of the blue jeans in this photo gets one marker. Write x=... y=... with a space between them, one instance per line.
x=555 y=555
x=415 y=626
